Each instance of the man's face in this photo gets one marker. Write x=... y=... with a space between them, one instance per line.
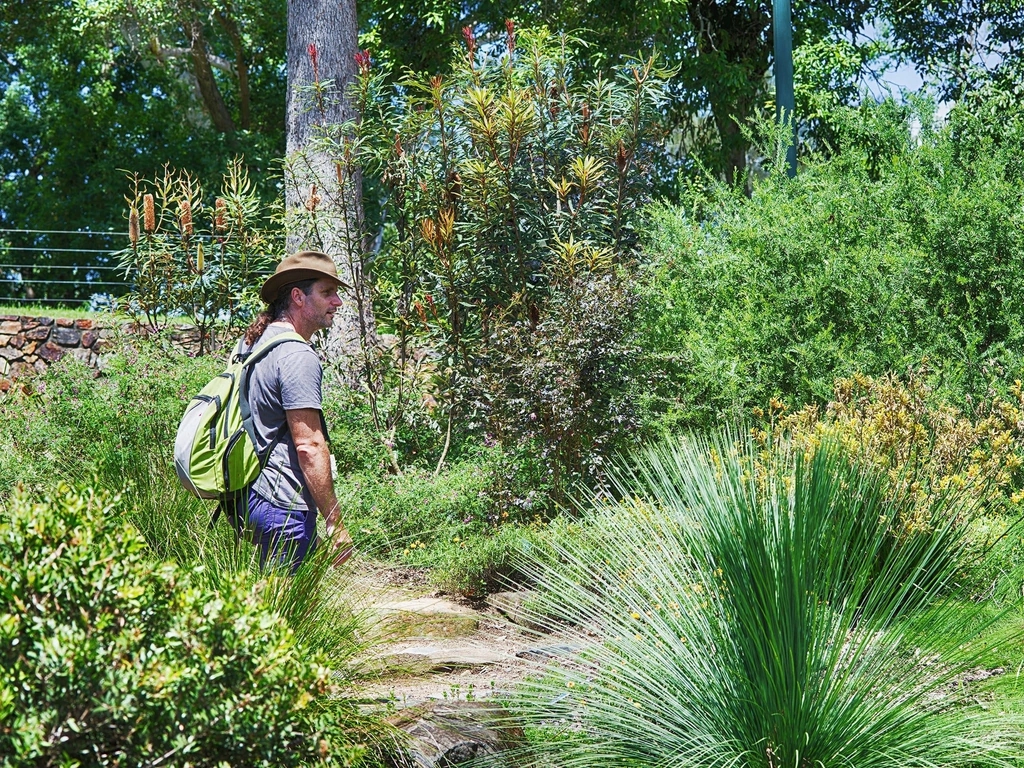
x=323 y=301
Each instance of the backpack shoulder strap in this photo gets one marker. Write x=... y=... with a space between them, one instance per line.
x=259 y=351
x=250 y=358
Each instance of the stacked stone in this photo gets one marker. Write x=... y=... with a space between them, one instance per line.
x=30 y=344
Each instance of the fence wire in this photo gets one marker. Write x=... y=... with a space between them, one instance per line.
x=33 y=272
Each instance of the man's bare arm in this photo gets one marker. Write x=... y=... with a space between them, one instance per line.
x=315 y=463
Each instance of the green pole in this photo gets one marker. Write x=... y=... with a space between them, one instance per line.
x=785 y=103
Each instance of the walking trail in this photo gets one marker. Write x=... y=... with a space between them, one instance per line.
x=424 y=645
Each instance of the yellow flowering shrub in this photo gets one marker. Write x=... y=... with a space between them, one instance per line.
x=897 y=424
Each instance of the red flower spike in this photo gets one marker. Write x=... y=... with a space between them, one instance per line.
x=314 y=57
x=470 y=38
x=363 y=62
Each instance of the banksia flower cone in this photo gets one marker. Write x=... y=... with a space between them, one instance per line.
x=199 y=258
x=148 y=214
x=185 y=217
x=220 y=209
x=133 y=225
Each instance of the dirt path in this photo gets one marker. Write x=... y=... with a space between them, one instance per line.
x=425 y=645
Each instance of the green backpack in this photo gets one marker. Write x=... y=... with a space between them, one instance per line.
x=214 y=449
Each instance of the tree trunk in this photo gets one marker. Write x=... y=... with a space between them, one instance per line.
x=323 y=192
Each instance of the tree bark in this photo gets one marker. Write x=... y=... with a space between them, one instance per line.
x=323 y=190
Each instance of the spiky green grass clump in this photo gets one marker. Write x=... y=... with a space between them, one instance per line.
x=744 y=612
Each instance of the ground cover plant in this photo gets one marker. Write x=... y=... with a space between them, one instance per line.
x=765 y=617
x=112 y=658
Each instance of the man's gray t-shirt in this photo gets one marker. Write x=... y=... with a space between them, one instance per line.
x=288 y=377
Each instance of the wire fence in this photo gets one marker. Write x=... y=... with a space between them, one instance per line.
x=66 y=267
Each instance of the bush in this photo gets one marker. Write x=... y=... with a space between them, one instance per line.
x=763 y=619
x=511 y=195
x=108 y=659
x=892 y=253
x=927 y=447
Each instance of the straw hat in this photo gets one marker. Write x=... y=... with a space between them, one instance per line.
x=303 y=265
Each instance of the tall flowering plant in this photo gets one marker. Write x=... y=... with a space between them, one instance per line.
x=507 y=190
x=189 y=260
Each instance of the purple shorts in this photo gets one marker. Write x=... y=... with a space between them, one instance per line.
x=284 y=536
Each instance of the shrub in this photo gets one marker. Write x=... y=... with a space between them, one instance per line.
x=116 y=431
x=109 y=659
x=927 y=447
x=894 y=252
x=511 y=193
x=763 y=619
x=189 y=259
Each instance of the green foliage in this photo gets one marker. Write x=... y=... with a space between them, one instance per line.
x=84 y=96
x=896 y=251
x=116 y=431
x=73 y=424
x=514 y=192
x=108 y=659
x=765 y=618
x=407 y=513
x=463 y=523
x=194 y=260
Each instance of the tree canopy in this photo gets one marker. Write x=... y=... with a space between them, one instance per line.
x=90 y=89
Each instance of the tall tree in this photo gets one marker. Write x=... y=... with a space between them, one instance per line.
x=323 y=189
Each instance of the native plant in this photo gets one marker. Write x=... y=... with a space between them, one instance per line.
x=187 y=259
x=109 y=658
x=762 y=612
x=511 y=193
x=926 y=446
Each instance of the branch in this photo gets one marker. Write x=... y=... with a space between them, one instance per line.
x=165 y=52
x=242 y=69
x=211 y=94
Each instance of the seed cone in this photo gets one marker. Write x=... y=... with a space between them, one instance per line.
x=148 y=214
x=133 y=225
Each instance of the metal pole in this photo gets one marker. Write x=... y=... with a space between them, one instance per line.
x=785 y=103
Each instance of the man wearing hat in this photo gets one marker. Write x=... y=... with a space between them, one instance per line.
x=284 y=395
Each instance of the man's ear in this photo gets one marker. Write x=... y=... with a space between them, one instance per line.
x=298 y=297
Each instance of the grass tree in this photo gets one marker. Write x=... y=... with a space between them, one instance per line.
x=745 y=609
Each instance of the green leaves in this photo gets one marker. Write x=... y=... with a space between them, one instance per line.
x=109 y=659
x=515 y=192
x=741 y=609
x=894 y=251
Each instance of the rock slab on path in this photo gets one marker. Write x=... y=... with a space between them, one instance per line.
x=453 y=732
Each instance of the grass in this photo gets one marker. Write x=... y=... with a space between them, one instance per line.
x=55 y=310
x=761 y=616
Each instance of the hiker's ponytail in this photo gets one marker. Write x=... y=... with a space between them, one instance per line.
x=259 y=325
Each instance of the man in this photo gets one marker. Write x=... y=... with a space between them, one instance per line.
x=284 y=395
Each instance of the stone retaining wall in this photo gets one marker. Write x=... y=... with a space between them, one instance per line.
x=30 y=344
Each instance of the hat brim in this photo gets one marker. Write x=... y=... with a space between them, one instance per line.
x=278 y=281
